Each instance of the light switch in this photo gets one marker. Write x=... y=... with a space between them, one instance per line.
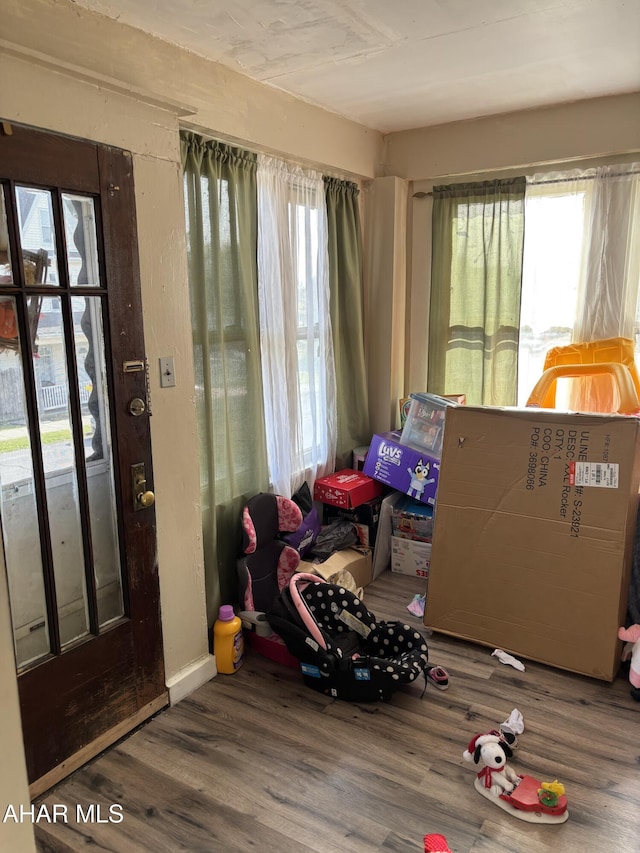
x=167 y=372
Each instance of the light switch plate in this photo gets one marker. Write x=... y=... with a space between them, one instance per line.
x=167 y=372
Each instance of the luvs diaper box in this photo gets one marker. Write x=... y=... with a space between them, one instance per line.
x=414 y=472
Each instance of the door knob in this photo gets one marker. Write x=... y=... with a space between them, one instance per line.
x=147 y=499
x=142 y=497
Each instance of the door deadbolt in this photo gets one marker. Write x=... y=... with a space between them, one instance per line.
x=142 y=497
x=137 y=407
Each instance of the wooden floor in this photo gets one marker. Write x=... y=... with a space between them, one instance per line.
x=256 y=761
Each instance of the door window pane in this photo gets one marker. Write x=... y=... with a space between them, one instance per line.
x=54 y=417
x=82 y=244
x=19 y=515
x=37 y=235
x=6 y=275
x=92 y=387
x=8 y=324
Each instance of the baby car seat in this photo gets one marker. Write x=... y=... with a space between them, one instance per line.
x=266 y=566
x=343 y=650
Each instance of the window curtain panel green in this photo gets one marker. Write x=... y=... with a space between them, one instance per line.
x=221 y=221
x=476 y=282
x=345 y=284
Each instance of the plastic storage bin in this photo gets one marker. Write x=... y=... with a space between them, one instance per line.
x=424 y=426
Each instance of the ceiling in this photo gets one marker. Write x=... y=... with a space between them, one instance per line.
x=399 y=64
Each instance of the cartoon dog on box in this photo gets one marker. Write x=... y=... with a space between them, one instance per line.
x=419 y=479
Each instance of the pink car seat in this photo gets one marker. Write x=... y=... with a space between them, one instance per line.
x=266 y=566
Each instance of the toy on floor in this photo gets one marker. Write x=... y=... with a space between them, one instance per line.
x=436 y=843
x=631 y=651
x=522 y=796
x=438 y=676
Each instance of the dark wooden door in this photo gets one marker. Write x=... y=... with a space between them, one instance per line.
x=76 y=500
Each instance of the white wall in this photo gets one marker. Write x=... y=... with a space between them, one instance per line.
x=385 y=299
x=13 y=778
x=68 y=70
x=596 y=128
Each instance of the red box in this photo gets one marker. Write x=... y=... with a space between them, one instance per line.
x=346 y=488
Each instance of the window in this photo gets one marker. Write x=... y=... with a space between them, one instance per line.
x=296 y=348
x=581 y=276
x=304 y=229
x=550 y=278
x=45 y=226
x=560 y=265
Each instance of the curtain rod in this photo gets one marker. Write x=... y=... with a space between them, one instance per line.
x=421 y=194
x=584 y=178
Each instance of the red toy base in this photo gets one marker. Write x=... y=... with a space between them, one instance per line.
x=524 y=804
x=436 y=843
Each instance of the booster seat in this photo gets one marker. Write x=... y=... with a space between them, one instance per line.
x=265 y=567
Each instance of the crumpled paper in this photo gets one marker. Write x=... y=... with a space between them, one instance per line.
x=503 y=657
x=514 y=724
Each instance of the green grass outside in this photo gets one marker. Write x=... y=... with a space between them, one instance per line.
x=9 y=444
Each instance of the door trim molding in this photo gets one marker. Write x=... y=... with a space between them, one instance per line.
x=190 y=677
x=108 y=738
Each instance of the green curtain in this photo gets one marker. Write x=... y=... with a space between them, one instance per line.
x=476 y=280
x=221 y=219
x=345 y=283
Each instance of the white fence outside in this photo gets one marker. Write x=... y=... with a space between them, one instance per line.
x=57 y=396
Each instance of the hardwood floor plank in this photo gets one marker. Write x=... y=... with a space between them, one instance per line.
x=259 y=761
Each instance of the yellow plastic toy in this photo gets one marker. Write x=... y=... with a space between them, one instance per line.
x=612 y=357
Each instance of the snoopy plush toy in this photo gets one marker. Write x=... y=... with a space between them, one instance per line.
x=523 y=796
x=492 y=751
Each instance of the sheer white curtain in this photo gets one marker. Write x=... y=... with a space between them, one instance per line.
x=611 y=272
x=295 y=330
x=581 y=272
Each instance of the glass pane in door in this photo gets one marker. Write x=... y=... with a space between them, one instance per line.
x=81 y=240
x=18 y=512
x=61 y=476
x=37 y=235
x=92 y=387
x=6 y=275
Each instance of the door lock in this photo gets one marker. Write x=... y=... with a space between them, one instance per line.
x=137 y=407
x=142 y=497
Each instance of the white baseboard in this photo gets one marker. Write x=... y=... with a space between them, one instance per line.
x=191 y=677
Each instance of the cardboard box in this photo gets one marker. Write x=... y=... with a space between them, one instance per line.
x=410 y=557
x=346 y=488
x=357 y=561
x=382 y=552
x=533 y=534
x=364 y=518
x=411 y=519
x=404 y=468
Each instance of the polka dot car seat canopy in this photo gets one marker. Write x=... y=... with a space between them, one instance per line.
x=344 y=651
